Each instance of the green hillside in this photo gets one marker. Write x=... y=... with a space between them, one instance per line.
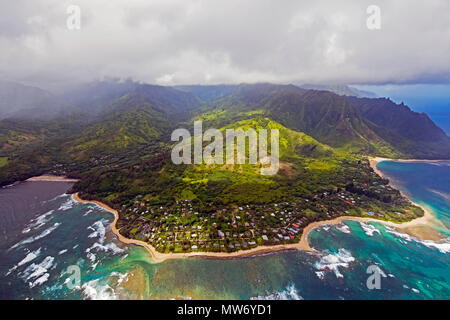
x=121 y=152
x=136 y=126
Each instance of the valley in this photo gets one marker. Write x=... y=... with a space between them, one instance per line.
x=119 y=150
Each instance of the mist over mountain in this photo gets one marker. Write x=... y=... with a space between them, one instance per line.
x=124 y=120
x=342 y=90
x=22 y=101
x=208 y=93
x=93 y=95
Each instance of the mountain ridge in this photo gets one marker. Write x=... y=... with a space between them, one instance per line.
x=142 y=119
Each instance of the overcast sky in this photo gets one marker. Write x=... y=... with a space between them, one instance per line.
x=225 y=41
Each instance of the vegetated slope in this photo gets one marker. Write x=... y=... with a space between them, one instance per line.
x=16 y=134
x=325 y=116
x=372 y=126
x=136 y=127
x=144 y=116
x=244 y=182
x=208 y=93
x=27 y=102
x=342 y=90
x=165 y=99
x=224 y=183
x=92 y=96
x=413 y=134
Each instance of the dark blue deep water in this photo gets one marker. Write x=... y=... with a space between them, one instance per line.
x=45 y=235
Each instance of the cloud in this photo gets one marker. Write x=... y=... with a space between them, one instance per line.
x=232 y=41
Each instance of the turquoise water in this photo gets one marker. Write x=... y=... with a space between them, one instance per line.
x=45 y=232
x=426 y=183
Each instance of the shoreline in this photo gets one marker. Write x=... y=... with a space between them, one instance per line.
x=47 y=177
x=160 y=257
x=301 y=245
x=423 y=224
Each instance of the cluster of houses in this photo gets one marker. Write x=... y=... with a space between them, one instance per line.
x=185 y=226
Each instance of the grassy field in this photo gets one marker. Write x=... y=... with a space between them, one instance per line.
x=3 y=161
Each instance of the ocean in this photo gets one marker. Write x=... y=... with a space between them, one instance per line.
x=438 y=112
x=46 y=236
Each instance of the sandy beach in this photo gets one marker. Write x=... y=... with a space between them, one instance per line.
x=374 y=161
x=51 y=178
x=159 y=257
x=418 y=227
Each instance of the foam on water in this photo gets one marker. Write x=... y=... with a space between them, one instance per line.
x=88 y=212
x=38 y=272
x=421 y=265
x=343 y=228
x=40 y=221
x=369 y=229
x=44 y=233
x=40 y=280
x=121 y=277
x=320 y=275
x=67 y=205
x=109 y=247
x=443 y=245
x=289 y=293
x=94 y=290
x=99 y=231
x=444 y=195
x=58 y=197
x=29 y=257
x=334 y=261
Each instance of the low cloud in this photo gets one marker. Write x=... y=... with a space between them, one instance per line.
x=233 y=41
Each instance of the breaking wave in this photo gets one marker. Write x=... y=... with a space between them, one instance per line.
x=99 y=231
x=334 y=261
x=37 y=274
x=44 y=233
x=93 y=290
x=67 y=205
x=39 y=221
x=369 y=229
x=289 y=293
x=29 y=257
x=443 y=245
x=343 y=228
